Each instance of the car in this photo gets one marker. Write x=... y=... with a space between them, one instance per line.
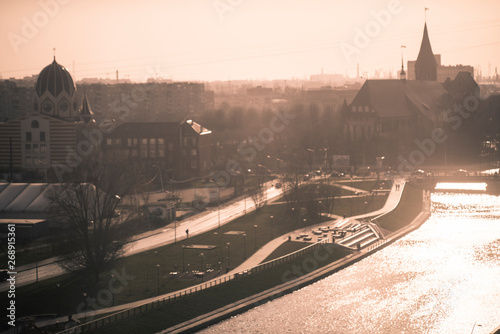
x=460 y=172
x=317 y=232
x=278 y=185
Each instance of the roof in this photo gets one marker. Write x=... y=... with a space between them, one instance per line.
x=85 y=109
x=425 y=66
x=401 y=98
x=146 y=129
x=196 y=127
x=55 y=79
x=23 y=197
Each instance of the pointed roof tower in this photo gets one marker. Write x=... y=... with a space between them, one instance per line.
x=426 y=66
x=86 y=113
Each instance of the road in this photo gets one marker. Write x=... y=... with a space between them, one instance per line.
x=198 y=224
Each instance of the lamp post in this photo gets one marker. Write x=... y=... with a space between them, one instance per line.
x=218 y=203
x=255 y=233
x=183 y=247
x=201 y=258
x=158 y=271
x=228 y=261
x=58 y=300
x=112 y=293
x=85 y=302
x=272 y=234
x=244 y=246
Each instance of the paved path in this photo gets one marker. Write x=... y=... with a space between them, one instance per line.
x=253 y=261
x=259 y=256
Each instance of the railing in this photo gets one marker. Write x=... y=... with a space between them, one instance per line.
x=147 y=306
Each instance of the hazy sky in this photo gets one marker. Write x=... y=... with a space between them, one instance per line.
x=240 y=39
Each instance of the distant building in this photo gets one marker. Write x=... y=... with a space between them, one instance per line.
x=179 y=150
x=428 y=65
x=393 y=113
x=15 y=100
x=33 y=143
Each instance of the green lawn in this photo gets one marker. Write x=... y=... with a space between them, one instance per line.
x=409 y=207
x=216 y=297
x=35 y=298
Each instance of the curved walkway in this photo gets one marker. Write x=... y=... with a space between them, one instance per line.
x=259 y=256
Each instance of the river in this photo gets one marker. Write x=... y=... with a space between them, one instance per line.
x=442 y=278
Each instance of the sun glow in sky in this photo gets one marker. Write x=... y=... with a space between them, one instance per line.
x=241 y=39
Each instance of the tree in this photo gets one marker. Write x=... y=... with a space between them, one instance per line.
x=89 y=203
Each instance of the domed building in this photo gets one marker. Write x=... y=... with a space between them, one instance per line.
x=55 y=92
x=33 y=146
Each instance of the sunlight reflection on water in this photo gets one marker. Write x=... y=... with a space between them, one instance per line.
x=441 y=278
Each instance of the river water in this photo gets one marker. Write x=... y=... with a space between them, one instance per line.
x=441 y=278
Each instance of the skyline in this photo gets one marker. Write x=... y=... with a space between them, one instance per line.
x=238 y=40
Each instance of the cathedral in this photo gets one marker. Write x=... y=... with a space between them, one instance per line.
x=396 y=111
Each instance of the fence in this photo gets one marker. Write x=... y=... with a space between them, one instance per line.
x=127 y=313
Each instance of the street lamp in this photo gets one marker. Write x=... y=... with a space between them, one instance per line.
x=272 y=235
x=218 y=203
x=244 y=246
x=201 y=258
x=158 y=270
x=183 y=247
x=255 y=233
x=228 y=261
x=85 y=302
x=58 y=300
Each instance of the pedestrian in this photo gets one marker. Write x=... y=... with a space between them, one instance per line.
x=187 y=234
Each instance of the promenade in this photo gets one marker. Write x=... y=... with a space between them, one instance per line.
x=257 y=258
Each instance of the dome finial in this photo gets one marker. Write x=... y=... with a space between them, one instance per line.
x=54 y=53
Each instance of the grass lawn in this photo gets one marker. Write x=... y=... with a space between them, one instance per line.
x=232 y=243
x=369 y=185
x=40 y=297
x=286 y=248
x=214 y=298
x=409 y=207
x=358 y=205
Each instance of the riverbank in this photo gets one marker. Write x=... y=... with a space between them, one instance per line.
x=153 y=320
x=220 y=314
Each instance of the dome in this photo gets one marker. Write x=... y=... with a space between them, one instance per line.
x=55 y=79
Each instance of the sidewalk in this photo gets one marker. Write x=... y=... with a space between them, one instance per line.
x=254 y=260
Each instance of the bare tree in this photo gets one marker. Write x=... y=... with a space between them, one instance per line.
x=258 y=192
x=89 y=204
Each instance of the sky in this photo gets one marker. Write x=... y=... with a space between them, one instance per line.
x=207 y=40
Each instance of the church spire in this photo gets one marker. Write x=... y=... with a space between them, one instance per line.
x=402 y=74
x=426 y=66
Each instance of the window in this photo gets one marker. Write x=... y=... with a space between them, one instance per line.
x=160 y=141
x=27 y=148
x=28 y=136
x=129 y=142
x=42 y=136
x=193 y=152
x=194 y=164
x=134 y=152
x=35 y=124
x=109 y=141
x=144 y=154
x=170 y=147
x=193 y=141
x=36 y=150
x=152 y=154
x=43 y=148
x=152 y=141
x=28 y=161
x=161 y=153
x=134 y=141
x=144 y=141
x=118 y=141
